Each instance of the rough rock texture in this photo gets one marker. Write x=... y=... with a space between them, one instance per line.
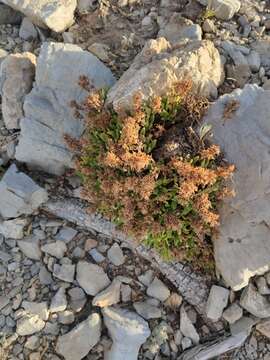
x=13 y=228
x=255 y=303
x=242 y=248
x=187 y=328
x=48 y=114
x=159 y=66
x=19 y=194
x=17 y=73
x=109 y=296
x=216 y=303
x=56 y=15
x=127 y=325
x=28 y=325
x=225 y=9
x=77 y=343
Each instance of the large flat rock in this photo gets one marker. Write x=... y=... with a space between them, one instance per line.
x=48 y=114
x=242 y=248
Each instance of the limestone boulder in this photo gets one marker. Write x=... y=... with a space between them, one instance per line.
x=160 y=65
x=48 y=113
x=242 y=247
x=17 y=73
x=58 y=15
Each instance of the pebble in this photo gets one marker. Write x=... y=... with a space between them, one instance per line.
x=217 y=301
x=59 y=301
x=64 y=272
x=56 y=249
x=158 y=290
x=115 y=255
x=147 y=311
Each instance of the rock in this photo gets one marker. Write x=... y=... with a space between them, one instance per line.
x=13 y=228
x=225 y=9
x=264 y=328
x=158 y=290
x=233 y=313
x=77 y=299
x=27 y=30
x=48 y=114
x=262 y=47
x=28 y=325
x=100 y=50
x=115 y=255
x=66 y=234
x=56 y=249
x=77 y=343
x=241 y=247
x=4 y=301
x=3 y=53
x=174 y=301
x=64 y=272
x=124 y=324
x=39 y=309
x=45 y=277
x=59 y=301
x=245 y=325
x=66 y=317
x=19 y=194
x=186 y=343
x=146 y=278
x=187 y=328
x=56 y=15
x=126 y=293
x=32 y=343
x=255 y=303
x=97 y=256
x=109 y=296
x=179 y=28
x=254 y=61
x=9 y=16
x=86 y=5
x=17 y=74
x=158 y=67
x=216 y=303
x=147 y=311
x=30 y=247
x=262 y=286
x=91 y=278
x=209 y=26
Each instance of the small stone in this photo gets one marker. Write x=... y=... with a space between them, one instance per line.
x=233 y=313
x=209 y=26
x=90 y=244
x=158 y=290
x=56 y=249
x=225 y=9
x=147 y=311
x=3 y=301
x=109 y=296
x=146 y=278
x=255 y=303
x=27 y=30
x=39 y=309
x=186 y=343
x=77 y=299
x=91 y=278
x=77 y=343
x=126 y=293
x=97 y=256
x=32 y=342
x=264 y=328
x=216 y=303
x=262 y=286
x=66 y=317
x=66 y=234
x=34 y=356
x=30 y=248
x=174 y=301
x=64 y=272
x=13 y=228
x=45 y=277
x=59 y=301
x=187 y=328
x=28 y=325
x=115 y=255
x=101 y=51
x=254 y=61
x=245 y=324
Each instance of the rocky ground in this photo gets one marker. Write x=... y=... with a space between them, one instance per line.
x=71 y=287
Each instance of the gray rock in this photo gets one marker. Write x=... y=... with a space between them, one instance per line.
x=255 y=303
x=158 y=290
x=64 y=272
x=179 y=28
x=3 y=53
x=187 y=328
x=59 y=301
x=186 y=343
x=77 y=299
x=115 y=255
x=262 y=47
x=262 y=286
x=264 y=328
x=17 y=74
x=124 y=324
x=56 y=15
x=4 y=301
x=28 y=325
x=27 y=30
x=241 y=247
x=9 y=16
x=254 y=61
x=13 y=228
x=225 y=9
x=147 y=311
x=245 y=324
x=97 y=256
x=66 y=234
x=100 y=50
x=146 y=278
x=233 y=313
x=48 y=114
x=109 y=296
x=158 y=67
x=32 y=342
x=91 y=278
x=45 y=277
x=77 y=343
x=66 y=317
x=30 y=247
x=86 y=5
x=216 y=303
x=39 y=309
x=19 y=194
x=56 y=249
x=126 y=292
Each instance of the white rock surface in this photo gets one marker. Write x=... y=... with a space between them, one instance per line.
x=17 y=73
x=216 y=303
x=28 y=325
x=242 y=249
x=109 y=296
x=48 y=114
x=13 y=228
x=158 y=67
x=77 y=343
x=91 y=278
x=56 y=15
x=19 y=194
x=123 y=324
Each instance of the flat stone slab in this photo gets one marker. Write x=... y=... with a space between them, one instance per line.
x=242 y=247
